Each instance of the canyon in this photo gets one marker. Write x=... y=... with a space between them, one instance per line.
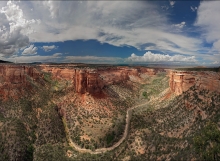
x=13 y=78
x=83 y=79
x=103 y=110
x=93 y=80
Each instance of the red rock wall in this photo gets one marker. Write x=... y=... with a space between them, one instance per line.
x=59 y=73
x=13 y=80
x=181 y=81
x=93 y=80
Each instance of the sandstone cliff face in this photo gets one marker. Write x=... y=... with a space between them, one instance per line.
x=59 y=73
x=13 y=80
x=88 y=81
x=92 y=81
x=181 y=81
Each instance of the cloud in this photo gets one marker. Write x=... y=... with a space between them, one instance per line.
x=93 y=59
x=117 y=23
x=49 y=48
x=151 y=57
x=208 y=20
x=31 y=50
x=165 y=7
x=180 y=25
x=35 y=58
x=216 y=45
x=53 y=8
x=57 y=54
x=172 y=3
x=14 y=29
x=216 y=62
x=193 y=8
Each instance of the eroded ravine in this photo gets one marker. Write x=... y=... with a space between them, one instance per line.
x=103 y=150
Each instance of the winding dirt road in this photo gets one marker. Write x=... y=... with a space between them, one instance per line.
x=103 y=150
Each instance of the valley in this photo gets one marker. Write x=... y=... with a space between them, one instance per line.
x=106 y=112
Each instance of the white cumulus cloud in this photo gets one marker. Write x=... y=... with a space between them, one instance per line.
x=14 y=29
x=151 y=57
x=57 y=54
x=180 y=25
x=31 y=50
x=208 y=19
x=216 y=62
x=49 y=48
x=216 y=45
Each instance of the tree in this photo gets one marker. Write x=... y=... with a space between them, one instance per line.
x=207 y=143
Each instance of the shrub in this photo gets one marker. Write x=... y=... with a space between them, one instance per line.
x=207 y=143
x=145 y=94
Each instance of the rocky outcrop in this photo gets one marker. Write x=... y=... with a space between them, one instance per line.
x=14 y=80
x=117 y=75
x=59 y=72
x=181 y=81
x=87 y=80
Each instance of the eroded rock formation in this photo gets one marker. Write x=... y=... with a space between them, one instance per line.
x=14 y=80
x=181 y=81
x=86 y=80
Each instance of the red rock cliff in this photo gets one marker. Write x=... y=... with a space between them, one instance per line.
x=181 y=81
x=93 y=80
x=13 y=80
x=88 y=81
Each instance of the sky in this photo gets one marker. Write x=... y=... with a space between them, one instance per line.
x=114 y=32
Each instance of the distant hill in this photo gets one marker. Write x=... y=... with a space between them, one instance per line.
x=3 y=61
x=214 y=69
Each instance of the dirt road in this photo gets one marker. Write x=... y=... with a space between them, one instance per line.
x=103 y=150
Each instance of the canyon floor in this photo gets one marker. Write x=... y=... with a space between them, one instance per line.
x=75 y=112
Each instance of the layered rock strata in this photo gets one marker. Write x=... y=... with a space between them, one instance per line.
x=86 y=80
x=14 y=80
x=181 y=81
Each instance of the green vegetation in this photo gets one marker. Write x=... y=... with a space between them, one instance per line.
x=21 y=120
x=145 y=95
x=155 y=86
x=32 y=128
x=29 y=153
x=207 y=142
x=178 y=131
x=48 y=77
x=110 y=137
x=51 y=152
x=26 y=105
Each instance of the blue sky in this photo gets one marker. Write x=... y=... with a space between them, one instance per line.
x=131 y=32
